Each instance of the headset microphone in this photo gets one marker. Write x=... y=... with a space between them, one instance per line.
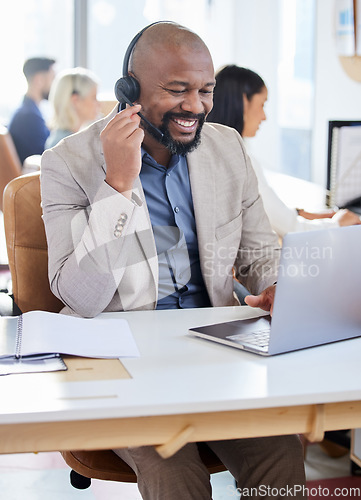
x=124 y=98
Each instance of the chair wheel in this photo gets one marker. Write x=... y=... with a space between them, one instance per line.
x=78 y=481
x=355 y=469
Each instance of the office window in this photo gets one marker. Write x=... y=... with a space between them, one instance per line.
x=111 y=26
x=30 y=28
x=232 y=29
x=46 y=27
x=113 y=23
x=295 y=86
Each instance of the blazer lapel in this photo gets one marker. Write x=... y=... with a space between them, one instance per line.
x=203 y=186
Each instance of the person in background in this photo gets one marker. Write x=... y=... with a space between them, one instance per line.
x=239 y=98
x=27 y=126
x=73 y=95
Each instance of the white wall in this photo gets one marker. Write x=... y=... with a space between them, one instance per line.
x=337 y=97
x=256 y=47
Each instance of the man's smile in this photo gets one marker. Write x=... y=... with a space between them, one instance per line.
x=182 y=124
x=187 y=125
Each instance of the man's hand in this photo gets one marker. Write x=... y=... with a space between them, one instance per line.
x=121 y=140
x=264 y=300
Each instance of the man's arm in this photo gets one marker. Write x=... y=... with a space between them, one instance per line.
x=91 y=227
x=29 y=133
x=122 y=139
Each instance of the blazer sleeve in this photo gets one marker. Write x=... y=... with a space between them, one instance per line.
x=91 y=242
x=234 y=233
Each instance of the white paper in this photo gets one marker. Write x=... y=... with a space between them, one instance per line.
x=89 y=337
x=348 y=179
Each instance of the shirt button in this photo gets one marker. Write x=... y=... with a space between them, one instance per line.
x=117 y=233
x=176 y=209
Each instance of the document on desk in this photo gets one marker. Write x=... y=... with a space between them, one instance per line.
x=32 y=364
x=44 y=333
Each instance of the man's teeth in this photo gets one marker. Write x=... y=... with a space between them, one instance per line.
x=185 y=123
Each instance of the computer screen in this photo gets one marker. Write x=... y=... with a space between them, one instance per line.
x=344 y=164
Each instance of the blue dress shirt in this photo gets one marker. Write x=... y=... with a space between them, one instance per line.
x=28 y=130
x=169 y=199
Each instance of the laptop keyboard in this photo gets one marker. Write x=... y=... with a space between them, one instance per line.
x=259 y=339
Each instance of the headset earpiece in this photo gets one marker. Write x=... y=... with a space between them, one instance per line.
x=129 y=87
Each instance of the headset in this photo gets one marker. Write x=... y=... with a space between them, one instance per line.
x=127 y=88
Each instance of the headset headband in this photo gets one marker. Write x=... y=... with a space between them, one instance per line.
x=133 y=43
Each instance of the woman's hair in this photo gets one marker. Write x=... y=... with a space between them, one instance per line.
x=78 y=81
x=232 y=82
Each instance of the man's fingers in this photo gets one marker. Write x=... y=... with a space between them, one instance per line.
x=127 y=115
x=252 y=300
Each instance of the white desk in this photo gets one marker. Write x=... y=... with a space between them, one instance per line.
x=184 y=383
x=295 y=192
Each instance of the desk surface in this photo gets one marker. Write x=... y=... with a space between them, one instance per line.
x=179 y=375
x=295 y=192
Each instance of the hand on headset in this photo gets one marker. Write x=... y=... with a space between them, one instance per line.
x=121 y=139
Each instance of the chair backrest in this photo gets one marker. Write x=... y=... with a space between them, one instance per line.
x=10 y=166
x=26 y=245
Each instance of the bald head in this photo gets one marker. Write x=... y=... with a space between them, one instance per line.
x=160 y=38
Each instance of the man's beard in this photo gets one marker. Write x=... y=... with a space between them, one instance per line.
x=177 y=147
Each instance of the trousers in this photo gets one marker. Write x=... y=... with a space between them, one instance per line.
x=270 y=467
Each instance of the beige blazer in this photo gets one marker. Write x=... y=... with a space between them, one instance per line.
x=102 y=254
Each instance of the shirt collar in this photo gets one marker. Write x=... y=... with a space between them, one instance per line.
x=149 y=160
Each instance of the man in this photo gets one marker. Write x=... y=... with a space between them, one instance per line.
x=136 y=219
x=27 y=126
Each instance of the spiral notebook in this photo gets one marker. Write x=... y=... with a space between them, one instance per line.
x=39 y=337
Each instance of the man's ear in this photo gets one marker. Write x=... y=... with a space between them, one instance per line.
x=37 y=80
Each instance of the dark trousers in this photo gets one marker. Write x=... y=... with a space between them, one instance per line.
x=270 y=467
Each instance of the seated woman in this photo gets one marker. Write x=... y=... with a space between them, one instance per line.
x=73 y=95
x=239 y=98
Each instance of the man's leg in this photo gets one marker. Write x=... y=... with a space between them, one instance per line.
x=272 y=465
x=182 y=476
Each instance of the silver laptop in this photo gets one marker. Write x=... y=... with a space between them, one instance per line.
x=318 y=297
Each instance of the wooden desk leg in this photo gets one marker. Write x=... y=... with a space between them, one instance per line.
x=168 y=449
x=318 y=425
